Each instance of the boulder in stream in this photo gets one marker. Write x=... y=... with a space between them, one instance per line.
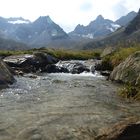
x=74 y=67
x=51 y=68
x=30 y=63
x=5 y=75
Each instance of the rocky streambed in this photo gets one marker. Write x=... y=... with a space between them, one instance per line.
x=61 y=106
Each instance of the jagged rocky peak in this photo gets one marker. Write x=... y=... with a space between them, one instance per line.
x=44 y=19
x=100 y=17
x=79 y=26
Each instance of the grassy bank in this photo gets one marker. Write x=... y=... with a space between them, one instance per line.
x=119 y=55
x=112 y=60
x=58 y=53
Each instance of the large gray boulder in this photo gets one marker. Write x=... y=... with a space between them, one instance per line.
x=108 y=51
x=128 y=71
x=5 y=75
x=30 y=63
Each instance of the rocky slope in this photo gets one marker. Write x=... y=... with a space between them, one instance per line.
x=124 y=20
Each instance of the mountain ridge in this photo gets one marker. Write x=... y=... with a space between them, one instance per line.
x=125 y=35
x=45 y=32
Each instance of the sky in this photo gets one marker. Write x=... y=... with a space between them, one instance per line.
x=68 y=13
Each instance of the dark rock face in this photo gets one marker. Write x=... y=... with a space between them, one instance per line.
x=128 y=71
x=5 y=75
x=30 y=63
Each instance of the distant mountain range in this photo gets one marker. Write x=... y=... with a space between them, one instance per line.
x=128 y=34
x=101 y=27
x=40 y=32
x=44 y=32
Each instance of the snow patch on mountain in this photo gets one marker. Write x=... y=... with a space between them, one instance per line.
x=115 y=26
x=111 y=29
x=19 y=22
x=91 y=36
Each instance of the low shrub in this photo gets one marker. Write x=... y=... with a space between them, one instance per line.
x=129 y=92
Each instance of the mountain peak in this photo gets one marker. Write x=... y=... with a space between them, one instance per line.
x=100 y=17
x=134 y=25
x=44 y=19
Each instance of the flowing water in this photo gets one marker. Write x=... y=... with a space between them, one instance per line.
x=60 y=107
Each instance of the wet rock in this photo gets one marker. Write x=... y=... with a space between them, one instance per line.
x=105 y=73
x=103 y=65
x=30 y=63
x=92 y=68
x=128 y=71
x=78 y=68
x=54 y=69
x=73 y=67
x=5 y=75
x=128 y=129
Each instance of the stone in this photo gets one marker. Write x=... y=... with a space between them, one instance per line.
x=105 y=73
x=108 y=51
x=128 y=71
x=30 y=63
x=6 y=76
x=74 y=67
x=54 y=69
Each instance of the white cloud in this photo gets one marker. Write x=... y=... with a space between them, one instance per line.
x=67 y=13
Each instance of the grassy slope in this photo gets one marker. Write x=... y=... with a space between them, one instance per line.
x=59 y=53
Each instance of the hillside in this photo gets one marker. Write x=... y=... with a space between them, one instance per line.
x=7 y=44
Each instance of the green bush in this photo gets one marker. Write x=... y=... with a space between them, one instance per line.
x=129 y=92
